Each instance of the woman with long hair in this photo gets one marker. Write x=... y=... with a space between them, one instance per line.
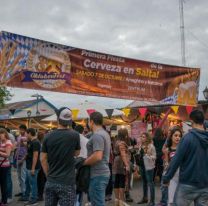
x=140 y=163
x=149 y=164
x=121 y=166
x=5 y=151
x=172 y=143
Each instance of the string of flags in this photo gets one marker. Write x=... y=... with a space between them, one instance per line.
x=143 y=110
x=126 y=111
x=189 y=109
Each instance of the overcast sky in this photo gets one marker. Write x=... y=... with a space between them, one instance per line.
x=138 y=29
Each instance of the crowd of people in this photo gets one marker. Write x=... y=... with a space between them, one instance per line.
x=63 y=165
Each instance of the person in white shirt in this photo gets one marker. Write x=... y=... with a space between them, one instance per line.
x=83 y=154
x=83 y=141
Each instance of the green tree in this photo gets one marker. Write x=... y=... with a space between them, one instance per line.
x=5 y=95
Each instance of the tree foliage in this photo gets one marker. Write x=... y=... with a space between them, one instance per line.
x=5 y=95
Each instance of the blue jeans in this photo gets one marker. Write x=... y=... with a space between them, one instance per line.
x=151 y=185
x=31 y=185
x=21 y=173
x=187 y=194
x=164 y=191
x=9 y=183
x=97 y=190
x=79 y=199
x=144 y=181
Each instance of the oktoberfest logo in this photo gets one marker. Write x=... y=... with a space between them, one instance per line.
x=48 y=66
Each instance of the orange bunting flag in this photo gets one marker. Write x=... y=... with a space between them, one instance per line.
x=126 y=111
x=75 y=113
x=175 y=109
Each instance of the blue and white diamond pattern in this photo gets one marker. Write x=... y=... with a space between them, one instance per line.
x=24 y=45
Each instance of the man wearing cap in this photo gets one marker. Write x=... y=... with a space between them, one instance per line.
x=58 y=151
x=98 y=147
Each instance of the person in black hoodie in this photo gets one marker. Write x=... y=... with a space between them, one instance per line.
x=159 y=141
x=192 y=159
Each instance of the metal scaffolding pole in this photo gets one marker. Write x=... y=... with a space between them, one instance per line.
x=182 y=29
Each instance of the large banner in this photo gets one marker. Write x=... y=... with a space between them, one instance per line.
x=35 y=64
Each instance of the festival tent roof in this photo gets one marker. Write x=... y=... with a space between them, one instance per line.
x=19 y=110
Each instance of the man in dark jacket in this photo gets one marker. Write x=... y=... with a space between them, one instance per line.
x=192 y=159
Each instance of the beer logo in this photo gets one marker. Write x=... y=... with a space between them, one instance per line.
x=48 y=66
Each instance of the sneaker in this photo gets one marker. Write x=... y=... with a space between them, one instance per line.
x=143 y=201
x=9 y=200
x=18 y=194
x=151 y=204
x=116 y=202
x=108 y=198
x=23 y=199
x=123 y=203
x=129 y=199
x=161 y=204
x=40 y=199
x=31 y=202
